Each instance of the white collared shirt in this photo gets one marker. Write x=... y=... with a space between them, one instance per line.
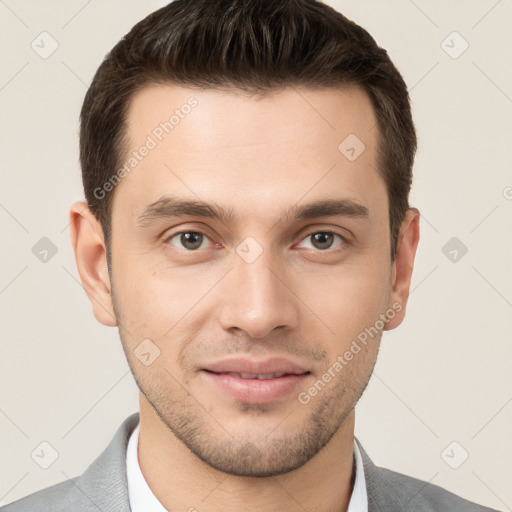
x=142 y=498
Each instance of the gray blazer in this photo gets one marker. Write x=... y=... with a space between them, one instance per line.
x=102 y=487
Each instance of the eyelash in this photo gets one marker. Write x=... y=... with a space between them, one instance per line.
x=329 y=232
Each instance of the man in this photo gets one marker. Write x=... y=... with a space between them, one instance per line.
x=247 y=166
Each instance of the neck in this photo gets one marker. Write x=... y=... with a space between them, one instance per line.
x=182 y=481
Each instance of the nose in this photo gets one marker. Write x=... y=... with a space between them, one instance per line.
x=257 y=299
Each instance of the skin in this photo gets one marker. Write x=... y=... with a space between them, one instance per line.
x=198 y=446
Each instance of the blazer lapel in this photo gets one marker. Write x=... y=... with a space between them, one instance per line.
x=381 y=497
x=103 y=486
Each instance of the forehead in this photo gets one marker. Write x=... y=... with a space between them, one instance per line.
x=249 y=151
x=249 y=119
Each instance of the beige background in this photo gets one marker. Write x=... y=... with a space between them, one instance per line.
x=443 y=376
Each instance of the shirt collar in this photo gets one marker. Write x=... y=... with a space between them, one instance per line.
x=142 y=498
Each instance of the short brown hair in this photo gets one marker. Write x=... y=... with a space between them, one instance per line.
x=256 y=46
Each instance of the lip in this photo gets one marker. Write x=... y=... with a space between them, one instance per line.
x=256 y=391
x=241 y=365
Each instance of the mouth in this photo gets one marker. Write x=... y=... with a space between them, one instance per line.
x=256 y=383
x=259 y=376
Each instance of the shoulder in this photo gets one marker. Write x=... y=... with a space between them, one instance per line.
x=103 y=486
x=60 y=497
x=390 y=491
x=415 y=494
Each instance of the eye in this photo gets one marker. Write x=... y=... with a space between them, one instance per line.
x=192 y=241
x=189 y=240
x=324 y=240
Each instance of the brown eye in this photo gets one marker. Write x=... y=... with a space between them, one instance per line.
x=190 y=240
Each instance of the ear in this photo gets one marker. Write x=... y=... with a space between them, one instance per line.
x=91 y=260
x=407 y=244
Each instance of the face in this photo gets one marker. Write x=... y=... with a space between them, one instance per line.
x=280 y=274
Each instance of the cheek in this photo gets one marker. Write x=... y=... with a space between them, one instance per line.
x=347 y=300
x=156 y=299
x=142 y=300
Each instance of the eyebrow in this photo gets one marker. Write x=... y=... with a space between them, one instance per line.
x=168 y=207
